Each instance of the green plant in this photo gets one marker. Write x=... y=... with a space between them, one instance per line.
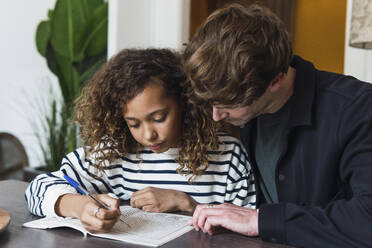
x=52 y=138
x=73 y=41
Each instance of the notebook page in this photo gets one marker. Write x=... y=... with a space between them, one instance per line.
x=148 y=228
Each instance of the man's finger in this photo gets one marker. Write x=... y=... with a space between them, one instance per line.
x=208 y=227
x=206 y=213
x=195 y=217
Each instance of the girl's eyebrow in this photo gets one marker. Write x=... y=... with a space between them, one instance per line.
x=151 y=114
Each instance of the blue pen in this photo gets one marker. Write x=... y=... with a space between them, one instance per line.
x=82 y=191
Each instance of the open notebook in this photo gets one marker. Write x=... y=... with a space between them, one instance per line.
x=150 y=229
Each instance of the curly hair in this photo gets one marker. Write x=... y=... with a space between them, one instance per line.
x=236 y=53
x=99 y=108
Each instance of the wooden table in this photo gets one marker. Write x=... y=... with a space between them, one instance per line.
x=15 y=236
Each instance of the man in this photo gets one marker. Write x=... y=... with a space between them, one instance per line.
x=308 y=133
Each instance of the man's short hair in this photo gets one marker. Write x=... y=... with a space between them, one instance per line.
x=236 y=53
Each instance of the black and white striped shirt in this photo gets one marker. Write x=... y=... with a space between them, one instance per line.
x=228 y=177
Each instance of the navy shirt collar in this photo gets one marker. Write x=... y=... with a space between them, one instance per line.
x=304 y=93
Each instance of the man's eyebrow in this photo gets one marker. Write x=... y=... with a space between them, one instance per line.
x=229 y=106
x=219 y=106
x=150 y=114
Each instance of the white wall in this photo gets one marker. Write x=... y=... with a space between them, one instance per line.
x=358 y=62
x=25 y=77
x=148 y=23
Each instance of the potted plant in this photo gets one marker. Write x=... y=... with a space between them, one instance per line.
x=73 y=41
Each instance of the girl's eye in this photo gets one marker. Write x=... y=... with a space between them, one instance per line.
x=133 y=125
x=160 y=118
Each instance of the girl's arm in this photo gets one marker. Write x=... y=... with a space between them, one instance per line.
x=50 y=195
x=240 y=188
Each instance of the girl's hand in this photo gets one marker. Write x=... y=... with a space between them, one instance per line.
x=84 y=208
x=158 y=200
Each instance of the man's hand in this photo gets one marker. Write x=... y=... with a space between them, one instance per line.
x=237 y=219
x=152 y=199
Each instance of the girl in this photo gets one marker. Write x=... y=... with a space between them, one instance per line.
x=144 y=142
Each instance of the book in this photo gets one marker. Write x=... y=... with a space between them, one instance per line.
x=149 y=229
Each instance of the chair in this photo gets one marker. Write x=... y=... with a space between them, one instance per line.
x=13 y=157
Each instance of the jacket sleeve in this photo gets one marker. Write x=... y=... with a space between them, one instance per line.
x=346 y=220
x=240 y=188
x=43 y=192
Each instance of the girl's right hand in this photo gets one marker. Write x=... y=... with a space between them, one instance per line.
x=94 y=218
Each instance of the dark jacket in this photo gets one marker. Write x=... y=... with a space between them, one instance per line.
x=324 y=176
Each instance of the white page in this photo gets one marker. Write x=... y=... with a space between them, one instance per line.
x=151 y=229
x=156 y=228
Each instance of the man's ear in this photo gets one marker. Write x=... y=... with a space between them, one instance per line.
x=277 y=82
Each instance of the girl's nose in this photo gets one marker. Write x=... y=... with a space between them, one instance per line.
x=150 y=133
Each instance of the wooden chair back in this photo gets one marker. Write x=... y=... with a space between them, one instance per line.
x=13 y=157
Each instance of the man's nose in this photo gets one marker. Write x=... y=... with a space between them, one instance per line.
x=219 y=114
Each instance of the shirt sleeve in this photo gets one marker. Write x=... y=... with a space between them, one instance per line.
x=240 y=188
x=43 y=192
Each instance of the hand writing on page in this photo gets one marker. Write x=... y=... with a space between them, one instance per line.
x=238 y=219
x=94 y=218
x=97 y=219
x=158 y=200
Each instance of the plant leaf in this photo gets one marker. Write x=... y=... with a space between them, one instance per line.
x=68 y=79
x=91 y=5
x=90 y=65
x=95 y=31
x=42 y=37
x=67 y=21
x=51 y=61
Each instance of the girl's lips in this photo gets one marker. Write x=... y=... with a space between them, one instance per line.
x=155 y=147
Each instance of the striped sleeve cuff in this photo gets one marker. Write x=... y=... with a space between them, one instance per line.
x=51 y=197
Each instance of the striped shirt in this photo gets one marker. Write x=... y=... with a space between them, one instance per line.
x=228 y=177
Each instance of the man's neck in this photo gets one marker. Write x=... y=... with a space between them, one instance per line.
x=286 y=90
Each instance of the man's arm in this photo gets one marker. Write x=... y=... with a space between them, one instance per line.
x=345 y=221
